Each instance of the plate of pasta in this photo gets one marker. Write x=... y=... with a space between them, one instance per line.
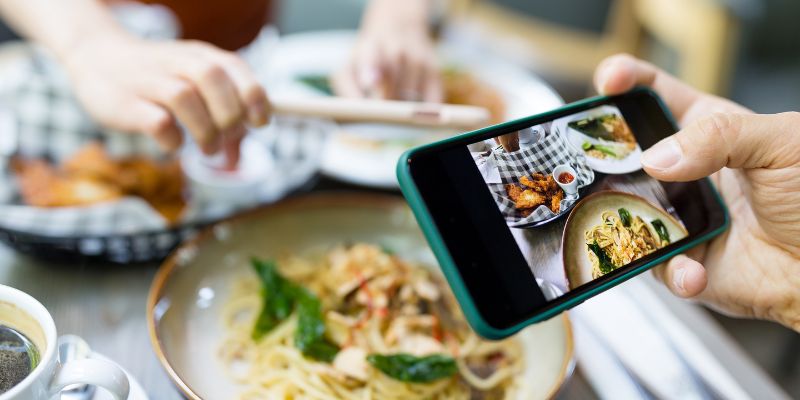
x=608 y=230
x=334 y=296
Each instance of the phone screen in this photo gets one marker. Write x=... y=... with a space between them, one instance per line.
x=545 y=208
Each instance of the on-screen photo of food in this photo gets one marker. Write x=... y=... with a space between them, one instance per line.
x=574 y=195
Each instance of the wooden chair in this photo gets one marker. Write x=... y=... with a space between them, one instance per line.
x=695 y=39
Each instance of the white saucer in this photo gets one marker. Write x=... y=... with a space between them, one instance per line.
x=137 y=392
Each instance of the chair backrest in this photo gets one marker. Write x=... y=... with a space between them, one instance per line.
x=568 y=38
x=529 y=31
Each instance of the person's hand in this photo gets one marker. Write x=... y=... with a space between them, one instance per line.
x=753 y=269
x=394 y=56
x=134 y=85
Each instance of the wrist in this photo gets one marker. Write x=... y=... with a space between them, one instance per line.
x=408 y=16
x=93 y=46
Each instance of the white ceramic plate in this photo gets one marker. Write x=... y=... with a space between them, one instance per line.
x=191 y=287
x=321 y=53
x=576 y=139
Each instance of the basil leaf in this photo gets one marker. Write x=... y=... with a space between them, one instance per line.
x=661 y=230
x=606 y=265
x=625 y=216
x=280 y=297
x=310 y=335
x=320 y=83
x=277 y=295
x=409 y=368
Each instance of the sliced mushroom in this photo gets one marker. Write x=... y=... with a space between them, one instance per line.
x=420 y=345
x=427 y=290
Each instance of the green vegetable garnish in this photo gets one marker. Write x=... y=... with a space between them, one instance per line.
x=607 y=150
x=278 y=297
x=593 y=127
x=606 y=265
x=320 y=83
x=387 y=250
x=661 y=230
x=409 y=368
x=310 y=335
x=625 y=216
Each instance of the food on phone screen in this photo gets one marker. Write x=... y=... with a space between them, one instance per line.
x=534 y=191
x=92 y=176
x=565 y=178
x=616 y=141
x=354 y=322
x=622 y=238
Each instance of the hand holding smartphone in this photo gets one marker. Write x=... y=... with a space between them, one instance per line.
x=533 y=216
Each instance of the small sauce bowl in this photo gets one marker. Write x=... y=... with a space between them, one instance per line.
x=567 y=178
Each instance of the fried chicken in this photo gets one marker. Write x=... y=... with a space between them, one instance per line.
x=530 y=199
x=555 y=201
x=92 y=176
x=513 y=191
x=43 y=186
x=92 y=162
x=534 y=191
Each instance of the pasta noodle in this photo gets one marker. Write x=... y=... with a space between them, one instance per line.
x=373 y=303
x=615 y=242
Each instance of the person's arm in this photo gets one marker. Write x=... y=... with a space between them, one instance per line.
x=394 y=55
x=135 y=85
x=59 y=25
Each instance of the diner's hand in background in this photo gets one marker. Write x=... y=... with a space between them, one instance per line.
x=394 y=55
x=753 y=269
x=141 y=86
x=134 y=85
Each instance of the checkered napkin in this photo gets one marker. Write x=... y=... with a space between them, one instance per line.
x=542 y=157
x=49 y=123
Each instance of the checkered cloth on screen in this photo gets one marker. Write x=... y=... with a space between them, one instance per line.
x=50 y=124
x=541 y=157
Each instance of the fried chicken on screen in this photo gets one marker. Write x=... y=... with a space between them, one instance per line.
x=534 y=191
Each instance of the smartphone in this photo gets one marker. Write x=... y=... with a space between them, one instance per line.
x=533 y=216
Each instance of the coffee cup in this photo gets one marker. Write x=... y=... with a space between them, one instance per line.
x=24 y=318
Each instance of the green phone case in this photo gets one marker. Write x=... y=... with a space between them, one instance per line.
x=425 y=221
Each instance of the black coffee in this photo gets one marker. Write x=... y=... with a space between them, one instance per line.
x=18 y=357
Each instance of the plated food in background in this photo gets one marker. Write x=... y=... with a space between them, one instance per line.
x=92 y=176
x=366 y=153
x=534 y=191
x=358 y=322
x=462 y=87
x=459 y=87
x=616 y=138
x=608 y=230
x=197 y=286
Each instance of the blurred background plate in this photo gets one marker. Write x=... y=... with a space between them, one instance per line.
x=189 y=290
x=365 y=154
